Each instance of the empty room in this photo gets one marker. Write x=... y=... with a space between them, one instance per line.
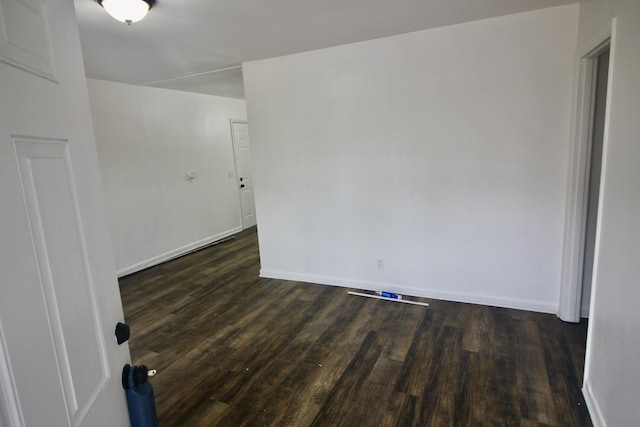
x=308 y=213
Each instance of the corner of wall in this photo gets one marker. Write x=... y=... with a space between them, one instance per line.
x=592 y=405
x=178 y=252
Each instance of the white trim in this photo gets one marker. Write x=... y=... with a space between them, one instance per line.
x=592 y=405
x=603 y=175
x=515 y=303
x=569 y=307
x=592 y=45
x=175 y=253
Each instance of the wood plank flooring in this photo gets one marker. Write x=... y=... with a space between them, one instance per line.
x=232 y=349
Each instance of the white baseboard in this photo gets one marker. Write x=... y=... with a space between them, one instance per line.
x=592 y=405
x=520 y=304
x=176 y=252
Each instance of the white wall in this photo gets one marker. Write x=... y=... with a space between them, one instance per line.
x=148 y=140
x=444 y=152
x=612 y=373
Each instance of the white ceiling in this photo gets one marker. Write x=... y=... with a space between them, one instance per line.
x=199 y=45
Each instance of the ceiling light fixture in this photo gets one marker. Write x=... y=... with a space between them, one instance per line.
x=128 y=11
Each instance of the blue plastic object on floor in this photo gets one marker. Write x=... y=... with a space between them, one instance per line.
x=142 y=405
x=388 y=295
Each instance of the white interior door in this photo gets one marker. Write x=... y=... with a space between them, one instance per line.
x=242 y=154
x=59 y=300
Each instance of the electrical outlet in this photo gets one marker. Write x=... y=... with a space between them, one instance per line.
x=380 y=263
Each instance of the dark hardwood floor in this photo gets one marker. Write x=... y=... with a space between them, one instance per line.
x=232 y=349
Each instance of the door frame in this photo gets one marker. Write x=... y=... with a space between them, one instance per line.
x=569 y=304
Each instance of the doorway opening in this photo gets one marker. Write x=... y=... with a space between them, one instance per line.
x=580 y=250
x=599 y=91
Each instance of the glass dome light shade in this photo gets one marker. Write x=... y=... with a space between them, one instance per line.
x=128 y=11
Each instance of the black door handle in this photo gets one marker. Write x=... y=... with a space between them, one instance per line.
x=122 y=332
x=241 y=185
